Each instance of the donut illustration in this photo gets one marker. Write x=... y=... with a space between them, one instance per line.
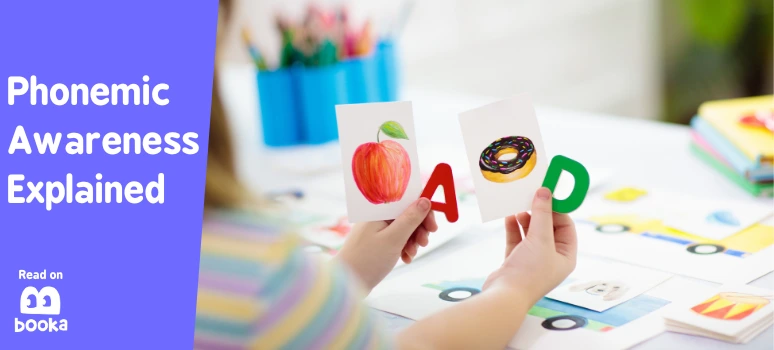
x=506 y=170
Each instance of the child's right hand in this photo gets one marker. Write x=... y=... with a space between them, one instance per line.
x=545 y=256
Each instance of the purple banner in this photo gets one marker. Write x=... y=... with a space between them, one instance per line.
x=104 y=119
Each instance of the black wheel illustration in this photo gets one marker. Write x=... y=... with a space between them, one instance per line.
x=705 y=248
x=458 y=293
x=564 y=323
x=613 y=228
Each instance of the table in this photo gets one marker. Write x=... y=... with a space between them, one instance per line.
x=598 y=141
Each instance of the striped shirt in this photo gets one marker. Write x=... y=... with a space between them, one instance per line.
x=258 y=289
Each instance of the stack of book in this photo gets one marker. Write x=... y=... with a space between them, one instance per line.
x=736 y=137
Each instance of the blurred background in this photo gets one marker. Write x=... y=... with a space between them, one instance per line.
x=650 y=59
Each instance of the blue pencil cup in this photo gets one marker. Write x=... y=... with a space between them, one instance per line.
x=362 y=79
x=280 y=118
x=388 y=71
x=298 y=104
x=321 y=90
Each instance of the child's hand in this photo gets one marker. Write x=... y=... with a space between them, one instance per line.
x=545 y=256
x=372 y=249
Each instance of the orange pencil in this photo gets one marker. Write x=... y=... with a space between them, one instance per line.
x=365 y=42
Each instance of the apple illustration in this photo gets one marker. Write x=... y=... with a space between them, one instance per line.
x=382 y=169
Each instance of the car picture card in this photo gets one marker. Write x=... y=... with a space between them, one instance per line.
x=714 y=218
x=379 y=159
x=549 y=324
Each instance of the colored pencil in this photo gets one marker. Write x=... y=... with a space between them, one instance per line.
x=254 y=53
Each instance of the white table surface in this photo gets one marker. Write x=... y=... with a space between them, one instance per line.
x=637 y=152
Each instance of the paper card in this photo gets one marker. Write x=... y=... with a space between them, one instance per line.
x=599 y=286
x=641 y=239
x=506 y=155
x=731 y=310
x=448 y=280
x=379 y=153
x=701 y=217
x=714 y=219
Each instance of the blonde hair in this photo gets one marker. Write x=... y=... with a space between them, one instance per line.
x=222 y=189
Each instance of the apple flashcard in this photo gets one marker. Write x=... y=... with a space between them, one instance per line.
x=379 y=156
x=506 y=155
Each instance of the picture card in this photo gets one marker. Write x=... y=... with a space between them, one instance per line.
x=714 y=219
x=734 y=313
x=600 y=285
x=619 y=223
x=379 y=158
x=506 y=155
x=451 y=279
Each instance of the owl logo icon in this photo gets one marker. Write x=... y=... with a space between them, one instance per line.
x=43 y=302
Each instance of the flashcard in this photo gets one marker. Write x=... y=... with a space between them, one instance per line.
x=714 y=219
x=379 y=157
x=451 y=279
x=506 y=155
x=733 y=313
x=599 y=285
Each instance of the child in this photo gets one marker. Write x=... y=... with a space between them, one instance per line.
x=258 y=289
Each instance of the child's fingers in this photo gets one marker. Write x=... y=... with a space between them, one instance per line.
x=512 y=234
x=402 y=227
x=411 y=248
x=565 y=235
x=523 y=219
x=430 y=223
x=562 y=221
x=405 y=257
x=541 y=226
x=422 y=236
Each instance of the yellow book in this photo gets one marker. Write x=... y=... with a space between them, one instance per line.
x=755 y=142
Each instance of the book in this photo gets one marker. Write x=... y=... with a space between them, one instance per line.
x=756 y=144
x=765 y=190
x=704 y=151
x=752 y=171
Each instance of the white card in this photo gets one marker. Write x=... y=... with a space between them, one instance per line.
x=379 y=158
x=446 y=281
x=506 y=155
x=730 y=310
x=599 y=286
x=714 y=219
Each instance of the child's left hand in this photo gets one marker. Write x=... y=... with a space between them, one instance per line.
x=372 y=249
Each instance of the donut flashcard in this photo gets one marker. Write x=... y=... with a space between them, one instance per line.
x=506 y=155
x=379 y=156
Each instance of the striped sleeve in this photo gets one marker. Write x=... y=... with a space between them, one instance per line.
x=258 y=289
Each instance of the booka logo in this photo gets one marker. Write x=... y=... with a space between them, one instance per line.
x=43 y=302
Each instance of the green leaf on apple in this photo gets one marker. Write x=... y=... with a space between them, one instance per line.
x=394 y=130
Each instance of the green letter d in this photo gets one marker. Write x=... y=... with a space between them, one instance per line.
x=578 y=172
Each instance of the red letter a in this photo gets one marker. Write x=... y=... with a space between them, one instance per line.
x=442 y=176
